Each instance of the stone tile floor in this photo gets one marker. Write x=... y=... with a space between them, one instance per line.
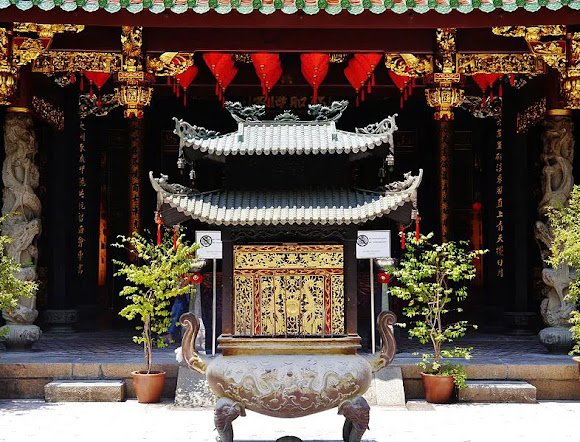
x=117 y=346
x=37 y=421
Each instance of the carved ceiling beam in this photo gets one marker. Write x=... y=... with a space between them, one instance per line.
x=55 y=62
x=169 y=64
x=470 y=64
x=46 y=30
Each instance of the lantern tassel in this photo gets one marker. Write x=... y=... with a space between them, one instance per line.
x=417 y=227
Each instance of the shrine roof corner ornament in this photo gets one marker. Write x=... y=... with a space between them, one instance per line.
x=310 y=7
x=293 y=207
x=286 y=134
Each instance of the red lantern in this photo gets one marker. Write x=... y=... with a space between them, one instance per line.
x=98 y=79
x=403 y=83
x=383 y=277
x=223 y=69
x=314 y=68
x=196 y=278
x=185 y=79
x=268 y=69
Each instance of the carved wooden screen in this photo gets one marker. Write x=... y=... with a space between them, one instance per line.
x=288 y=290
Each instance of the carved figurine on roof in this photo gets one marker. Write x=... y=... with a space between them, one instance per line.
x=289 y=308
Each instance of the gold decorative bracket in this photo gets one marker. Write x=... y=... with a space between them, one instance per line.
x=169 y=64
x=53 y=62
x=409 y=65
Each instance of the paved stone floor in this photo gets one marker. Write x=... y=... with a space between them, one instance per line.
x=36 y=421
x=116 y=346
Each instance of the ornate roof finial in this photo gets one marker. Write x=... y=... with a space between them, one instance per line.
x=327 y=113
x=244 y=114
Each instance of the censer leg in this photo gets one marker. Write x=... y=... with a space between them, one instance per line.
x=356 y=412
x=226 y=411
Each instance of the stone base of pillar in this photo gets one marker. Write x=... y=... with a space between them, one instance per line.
x=19 y=337
x=61 y=320
x=521 y=323
x=557 y=339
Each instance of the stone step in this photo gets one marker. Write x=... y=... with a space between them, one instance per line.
x=85 y=391
x=498 y=391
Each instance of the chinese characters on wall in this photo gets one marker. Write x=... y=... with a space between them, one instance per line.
x=499 y=202
x=82 y=207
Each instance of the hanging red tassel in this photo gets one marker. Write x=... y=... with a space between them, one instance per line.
x=82 y=82
x=500 y=91
x=356 y=103
x=362 y=94
x=158 y=221
x=184 y=98
x=417 y=227
x=168 y=80
x=373 y=79
x=369 y=87
x=73 y=78
x=402 y=230
x=512 y=80
x=401 y=101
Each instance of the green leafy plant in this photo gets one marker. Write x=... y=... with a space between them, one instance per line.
x=152 y=281
x=432 y=279
x=11 y=288
x=563 y=221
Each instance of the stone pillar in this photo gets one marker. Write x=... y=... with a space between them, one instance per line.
x=557 y=182
x=20 y=177
x=445 y=145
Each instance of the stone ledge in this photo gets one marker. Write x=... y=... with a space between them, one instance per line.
x=85 y=391
x=498 y=391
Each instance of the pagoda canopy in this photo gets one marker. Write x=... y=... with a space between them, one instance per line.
x=294 y=207
x=286 y=134
x=293 y=6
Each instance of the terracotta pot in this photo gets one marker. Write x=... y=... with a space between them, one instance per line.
x=148 y=386
x=438 y=389
x=577 y=359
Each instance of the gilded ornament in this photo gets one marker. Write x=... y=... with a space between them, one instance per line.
x=25 y=50
x=443 y=100
x=242 y=57
x=52 y=62
x=48 y=112
x=470 y=64
x=409 y=65
x=46 y=30
x=169 y=64
x=337 y=58
x=446 y=48
x=134 y=98
x=8 y=72
x=530 y=33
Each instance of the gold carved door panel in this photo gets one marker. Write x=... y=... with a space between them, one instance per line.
x=289 y=290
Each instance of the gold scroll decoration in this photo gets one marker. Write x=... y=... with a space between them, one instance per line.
x=289 y=290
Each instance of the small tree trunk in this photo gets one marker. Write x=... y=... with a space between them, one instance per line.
x=147 y=345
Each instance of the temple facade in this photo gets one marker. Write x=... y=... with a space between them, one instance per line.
x=274 y=123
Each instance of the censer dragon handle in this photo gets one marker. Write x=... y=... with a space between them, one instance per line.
x=190 y=324
x=384 y=323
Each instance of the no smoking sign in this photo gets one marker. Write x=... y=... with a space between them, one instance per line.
x=210 y=244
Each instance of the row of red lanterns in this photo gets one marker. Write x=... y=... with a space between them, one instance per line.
x=314 y=67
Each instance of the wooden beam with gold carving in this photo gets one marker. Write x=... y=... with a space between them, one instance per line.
x=470 y=64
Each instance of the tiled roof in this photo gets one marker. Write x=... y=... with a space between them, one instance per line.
x=291 y=6
x=293 y=207
x=271 y=138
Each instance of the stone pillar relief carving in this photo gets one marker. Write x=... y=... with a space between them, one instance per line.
x=557 y=183
x=20 y=177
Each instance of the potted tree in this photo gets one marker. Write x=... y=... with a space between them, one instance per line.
x=433 y=278
x=154 y=276
x=563 y=221
x=12 y=289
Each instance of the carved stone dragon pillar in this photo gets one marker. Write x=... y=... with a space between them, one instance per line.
x=557 y=182
x=20 y=177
